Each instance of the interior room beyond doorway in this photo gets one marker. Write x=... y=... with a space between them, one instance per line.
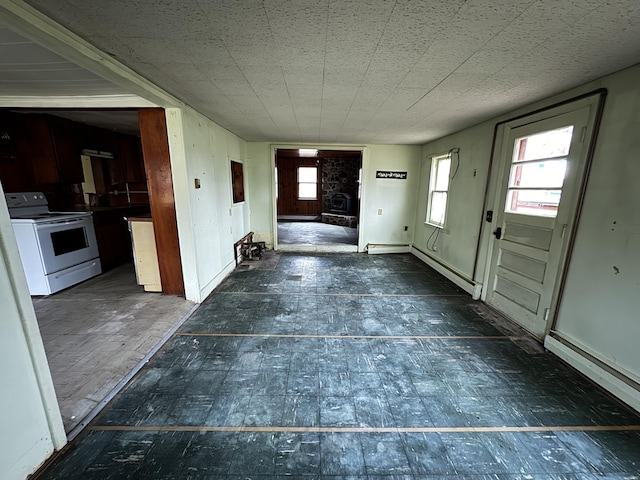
x=318 y=197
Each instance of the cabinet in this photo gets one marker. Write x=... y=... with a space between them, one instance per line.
x=44 y=152
x=67 y=150
x=15 y=173
x=132 y=159
x=145 y=254
x=36 y=148
x=112 y=234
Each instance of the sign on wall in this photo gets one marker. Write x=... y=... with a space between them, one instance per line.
x=390 y=174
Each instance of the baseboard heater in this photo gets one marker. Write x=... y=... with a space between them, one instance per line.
x=472 y=288
x=617 y=383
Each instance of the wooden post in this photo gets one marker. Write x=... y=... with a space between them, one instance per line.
x=157 y=164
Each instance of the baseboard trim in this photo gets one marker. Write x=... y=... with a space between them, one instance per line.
x=614 y=382
x=472 y=288
x=379 y=248
x=215 y=281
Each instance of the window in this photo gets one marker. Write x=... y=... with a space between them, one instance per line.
x=438 y=189
x=538 y=168
x=307 y=183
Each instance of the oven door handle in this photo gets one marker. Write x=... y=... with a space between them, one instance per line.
x=61 y=223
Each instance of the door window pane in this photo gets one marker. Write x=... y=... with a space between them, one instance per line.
x=541 y=203
x=546 y=174
x=551 y=144
x=535 y=187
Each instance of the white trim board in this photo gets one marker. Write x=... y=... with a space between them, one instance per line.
x=606 y=379
x=375 y=248
x=69 y=101
x=207 y=289
x=473 y=289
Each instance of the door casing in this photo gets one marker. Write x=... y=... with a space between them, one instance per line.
x=591 y=105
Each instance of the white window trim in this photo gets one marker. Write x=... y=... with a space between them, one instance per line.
x=432 y=183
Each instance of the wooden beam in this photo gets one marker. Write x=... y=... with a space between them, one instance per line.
x=157 y=164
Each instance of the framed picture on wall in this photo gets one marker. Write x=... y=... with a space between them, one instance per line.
x=237 y=182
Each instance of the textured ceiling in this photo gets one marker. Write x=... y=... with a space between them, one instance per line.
x=358 y=71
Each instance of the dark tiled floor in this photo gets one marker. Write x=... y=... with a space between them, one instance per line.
x=353 y=367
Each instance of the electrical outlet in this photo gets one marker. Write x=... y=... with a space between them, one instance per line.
x=379 y=211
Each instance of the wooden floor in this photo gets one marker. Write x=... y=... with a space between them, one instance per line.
x=94 y=334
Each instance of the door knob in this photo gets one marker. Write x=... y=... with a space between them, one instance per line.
x=498 y=233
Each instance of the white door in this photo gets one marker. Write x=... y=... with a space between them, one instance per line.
x=543 y=164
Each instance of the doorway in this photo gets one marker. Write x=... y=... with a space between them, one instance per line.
x=317 y=199
x=542 y=169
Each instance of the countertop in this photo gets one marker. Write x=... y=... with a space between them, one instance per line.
x=140 y=218
x=110 y=215
x=112 y=208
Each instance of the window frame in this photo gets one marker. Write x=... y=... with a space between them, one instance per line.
x=298 y=183
x=433 y=177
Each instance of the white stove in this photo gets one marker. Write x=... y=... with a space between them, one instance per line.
x=57 y=249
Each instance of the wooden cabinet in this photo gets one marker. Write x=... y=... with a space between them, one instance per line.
x=110 y=142
x=40 y=152
x=132 y=159
x=45 y=153
x=36 y=148
x=15 y=175
x=113 y=248
x=15 y=172
x=112 y=234
x=67 y=150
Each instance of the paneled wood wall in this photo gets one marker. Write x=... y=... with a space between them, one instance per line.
x=288 y=202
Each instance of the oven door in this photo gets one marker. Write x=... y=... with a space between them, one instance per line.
x=66 y=243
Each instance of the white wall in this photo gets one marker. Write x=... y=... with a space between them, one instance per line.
x=456 y=244
x=208 y=221
x=599 y=309
x=259 y=179
x=30 y=422
x=396 y=198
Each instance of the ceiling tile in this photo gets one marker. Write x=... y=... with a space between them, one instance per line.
x=353 y=70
